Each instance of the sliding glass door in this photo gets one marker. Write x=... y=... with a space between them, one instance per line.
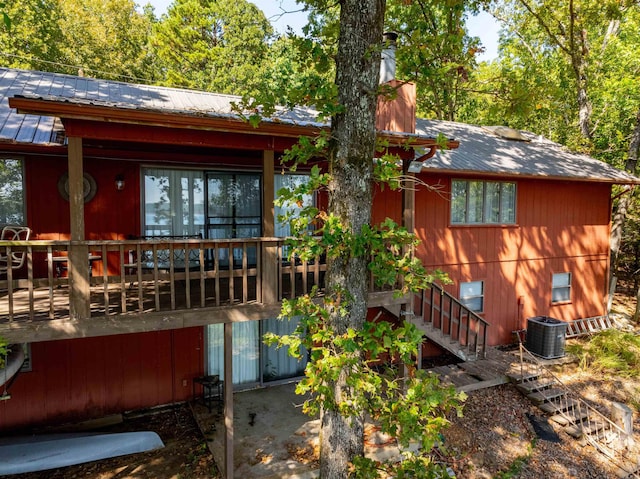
x=173 y=202
x=246 y=349
x=277 y=364
x=253 y=361
x=234 y=210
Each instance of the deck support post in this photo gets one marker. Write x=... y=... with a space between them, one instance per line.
x=269 y=280
x=228 y=400
x=78 y=263
x=408 y=210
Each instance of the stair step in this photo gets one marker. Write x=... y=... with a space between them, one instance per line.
x=568 y=417
x=535 y=385
x=579 y=430
x=546 y=395
x=516 y=374
x=556 y=406
x=518 y=378
x=444 y=340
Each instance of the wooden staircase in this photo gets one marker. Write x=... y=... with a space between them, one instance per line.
x=580 y=419
x=450 y=324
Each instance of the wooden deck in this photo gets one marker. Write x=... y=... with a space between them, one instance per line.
x=480 y=374
x=141 y=276
x=45 y=304
x=42 y=314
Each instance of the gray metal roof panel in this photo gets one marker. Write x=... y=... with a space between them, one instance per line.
x=127 y=95
x=481 y=151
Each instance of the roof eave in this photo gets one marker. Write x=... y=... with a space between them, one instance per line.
x=221 y=123
x=488 y=174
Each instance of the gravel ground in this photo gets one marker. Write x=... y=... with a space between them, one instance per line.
x=495 y=439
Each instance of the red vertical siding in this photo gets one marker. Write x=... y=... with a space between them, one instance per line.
x=83 y=378
x=386 y=204
x=111 y=214
x=561 y=227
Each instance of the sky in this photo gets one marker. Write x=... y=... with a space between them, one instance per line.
x=283 y=13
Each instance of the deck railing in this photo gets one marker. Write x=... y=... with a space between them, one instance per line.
x=136 y=276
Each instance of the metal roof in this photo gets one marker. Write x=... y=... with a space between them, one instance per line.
x=81 y=90
x=483 y=151
x=480 y=150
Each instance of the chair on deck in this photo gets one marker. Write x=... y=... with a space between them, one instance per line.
x=16 y=259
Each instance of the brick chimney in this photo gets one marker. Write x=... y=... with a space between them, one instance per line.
x=397 y=105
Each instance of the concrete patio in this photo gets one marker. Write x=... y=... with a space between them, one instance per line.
x=279 y=441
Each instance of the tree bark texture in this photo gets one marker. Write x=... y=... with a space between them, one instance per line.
x=351 y=150
x=572 y=41
x=617 y=223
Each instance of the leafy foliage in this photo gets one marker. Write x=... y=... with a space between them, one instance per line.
x=35 y=35
x=5 y=18
x=11 y=192
x=4 y=350
x=300 y=72
x=434 y=51
x=210 y=45
x=409 y=408
x=113 y=42
x=102 y=39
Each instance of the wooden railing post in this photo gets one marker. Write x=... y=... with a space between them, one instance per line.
x=79 y=287
x=269 y=280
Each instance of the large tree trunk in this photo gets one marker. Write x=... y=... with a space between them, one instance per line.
x=579 y=58
x=351 y=150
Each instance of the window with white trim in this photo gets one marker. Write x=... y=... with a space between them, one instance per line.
x=12 y=210
x=472 y=295
x=483 y=202
x=561 y=288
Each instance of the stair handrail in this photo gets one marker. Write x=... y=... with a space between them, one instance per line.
x=613 y=453
x=481 y=323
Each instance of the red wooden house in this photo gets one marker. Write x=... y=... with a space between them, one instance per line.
x=154 y=242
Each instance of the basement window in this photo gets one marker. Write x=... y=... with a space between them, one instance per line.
x=561 y=288
x=472 y=295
